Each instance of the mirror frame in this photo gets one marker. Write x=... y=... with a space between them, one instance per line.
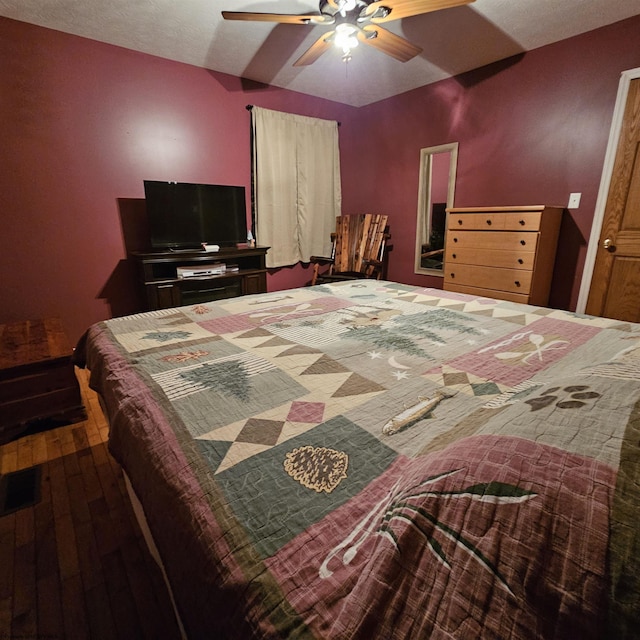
x=424 y=197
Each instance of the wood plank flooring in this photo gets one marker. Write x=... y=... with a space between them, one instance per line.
x=75 y=565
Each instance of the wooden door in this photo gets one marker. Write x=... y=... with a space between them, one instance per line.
x=615 y=285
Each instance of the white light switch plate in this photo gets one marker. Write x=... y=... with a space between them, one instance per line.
x=574 y=200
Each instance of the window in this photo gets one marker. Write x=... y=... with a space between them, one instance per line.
x=297 y=194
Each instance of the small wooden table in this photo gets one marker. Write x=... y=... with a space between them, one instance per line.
x=37 y=377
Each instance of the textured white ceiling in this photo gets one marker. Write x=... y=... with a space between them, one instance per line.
x=193 y=31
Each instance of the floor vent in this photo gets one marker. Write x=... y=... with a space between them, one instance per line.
x=19 y=489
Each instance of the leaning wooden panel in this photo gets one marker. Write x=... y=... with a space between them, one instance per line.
x=358 y=249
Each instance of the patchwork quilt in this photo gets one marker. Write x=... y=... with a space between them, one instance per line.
x=374 y=460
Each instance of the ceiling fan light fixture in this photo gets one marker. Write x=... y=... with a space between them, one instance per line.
x=346 y=39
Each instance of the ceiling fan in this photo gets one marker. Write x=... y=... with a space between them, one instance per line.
x=355 y=21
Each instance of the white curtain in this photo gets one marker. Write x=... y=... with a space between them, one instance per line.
x=297 y=190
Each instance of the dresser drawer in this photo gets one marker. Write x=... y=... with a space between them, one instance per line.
x=503 y=221
x=489 y=293
x=493 y=278
x=22 y=383
x=523 y=240
x=197 y=290
x=489 y=257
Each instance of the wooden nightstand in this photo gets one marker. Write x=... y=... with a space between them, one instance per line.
x=37 y=377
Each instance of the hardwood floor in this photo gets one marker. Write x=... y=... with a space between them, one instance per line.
x=75 y=564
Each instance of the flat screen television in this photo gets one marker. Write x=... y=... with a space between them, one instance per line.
x=182 y=215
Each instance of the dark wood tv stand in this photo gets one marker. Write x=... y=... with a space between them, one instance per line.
x=163 y=289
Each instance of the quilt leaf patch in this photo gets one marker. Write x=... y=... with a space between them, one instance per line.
x=411 y=507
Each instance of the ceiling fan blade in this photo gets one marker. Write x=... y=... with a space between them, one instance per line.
x=387 y=42
x=313 y=18
x=315 y=50
x=395 y=9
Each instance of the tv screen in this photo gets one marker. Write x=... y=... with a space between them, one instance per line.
x=184 y=215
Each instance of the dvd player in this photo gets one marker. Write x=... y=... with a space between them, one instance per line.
x=204 y=270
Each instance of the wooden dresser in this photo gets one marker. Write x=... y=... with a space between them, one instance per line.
x=502 y=252
x=37 y=377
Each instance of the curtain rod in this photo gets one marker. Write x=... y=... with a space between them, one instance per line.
x=250 y=106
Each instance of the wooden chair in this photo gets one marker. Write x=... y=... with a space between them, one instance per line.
x=358 y=251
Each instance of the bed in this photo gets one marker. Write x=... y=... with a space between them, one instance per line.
x=370 y=459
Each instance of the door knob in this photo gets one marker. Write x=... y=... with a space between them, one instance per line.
x=608 y=245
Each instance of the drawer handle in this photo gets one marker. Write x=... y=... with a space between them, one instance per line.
x=517 y=283
x=520 y=261
x=454 y=256
x=214 y=290
x=459 y=221
x=522 y=222
x=489 y=222
x=455 y=239
x=523 y=242
x=453 y=275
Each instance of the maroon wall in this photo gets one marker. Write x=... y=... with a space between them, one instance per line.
x=531 y=130
x=82 y=124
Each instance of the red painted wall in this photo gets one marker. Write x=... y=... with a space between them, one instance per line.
x=531 y=129
x=82 y=124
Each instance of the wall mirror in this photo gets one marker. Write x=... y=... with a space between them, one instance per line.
x=435 y=193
